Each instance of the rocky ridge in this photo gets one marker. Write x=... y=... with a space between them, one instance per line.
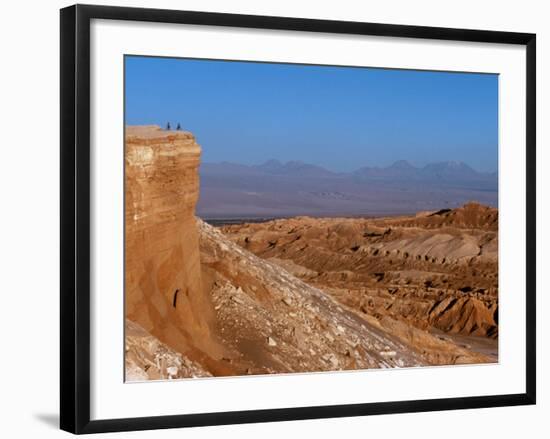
x=438 y=270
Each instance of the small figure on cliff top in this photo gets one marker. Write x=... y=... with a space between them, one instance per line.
x=178 y=128
x=168 y=128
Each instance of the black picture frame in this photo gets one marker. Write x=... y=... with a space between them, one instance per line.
x=75 y=217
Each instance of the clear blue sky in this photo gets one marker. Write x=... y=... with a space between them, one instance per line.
x=341 y=118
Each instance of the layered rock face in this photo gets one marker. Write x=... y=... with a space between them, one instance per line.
x=163 y=288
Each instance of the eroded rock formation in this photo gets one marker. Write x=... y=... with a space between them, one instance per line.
x=435 y=270
x=163 y=287
x=274 y=322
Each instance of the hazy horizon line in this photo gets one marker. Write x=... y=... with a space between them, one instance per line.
x=366 y=166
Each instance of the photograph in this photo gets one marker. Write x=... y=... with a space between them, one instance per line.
x=292 y=218
x=275 y=219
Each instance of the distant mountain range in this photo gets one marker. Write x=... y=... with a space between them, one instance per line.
x=276 y=189
x=450 y=172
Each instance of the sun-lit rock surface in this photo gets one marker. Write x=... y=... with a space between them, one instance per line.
x=435 y=270
x=163 y=288
x=277 y=323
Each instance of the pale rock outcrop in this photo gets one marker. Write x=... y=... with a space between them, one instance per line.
x=149 y=359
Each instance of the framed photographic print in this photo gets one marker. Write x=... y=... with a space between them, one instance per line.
x=273 y=218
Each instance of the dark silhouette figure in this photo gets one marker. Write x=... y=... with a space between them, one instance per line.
x=175 y=298
x=168 y=128
x=178 y=127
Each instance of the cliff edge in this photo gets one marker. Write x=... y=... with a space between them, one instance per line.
x=163 y=287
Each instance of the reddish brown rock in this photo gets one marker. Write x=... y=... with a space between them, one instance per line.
x=163 y=287
x=435 y=270
x=470 y=216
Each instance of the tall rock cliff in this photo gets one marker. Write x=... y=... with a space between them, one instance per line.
x=163 y=288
